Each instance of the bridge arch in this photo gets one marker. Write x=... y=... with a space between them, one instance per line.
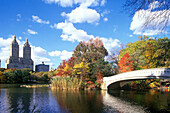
x=154 y=73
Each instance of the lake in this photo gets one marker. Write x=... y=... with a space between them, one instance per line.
x=17 y=99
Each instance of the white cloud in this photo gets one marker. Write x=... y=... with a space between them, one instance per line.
x=64 y=55
x=69 y=3
x=5 y=48
x=32 y=32
x=38 y=20
x=103 y=2
x=82 y=14
x=39 y=51
x=70 y=33
x=20 y=37
x=39 y=59
x=130 y=35
x=110 y=43
x=153 y=27
x=63 y=3
x=39 y=55
x=105 y=19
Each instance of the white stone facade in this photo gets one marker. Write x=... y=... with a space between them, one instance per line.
x=14 y=61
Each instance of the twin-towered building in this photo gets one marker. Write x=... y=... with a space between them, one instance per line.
x=14 y=61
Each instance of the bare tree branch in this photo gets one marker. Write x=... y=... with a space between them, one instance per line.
x=158 y=17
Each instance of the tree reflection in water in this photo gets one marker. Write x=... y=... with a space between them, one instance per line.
x=151 y=100
x=29 y=100
x=79 y=101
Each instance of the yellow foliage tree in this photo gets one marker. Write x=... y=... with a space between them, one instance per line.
x=81 y=69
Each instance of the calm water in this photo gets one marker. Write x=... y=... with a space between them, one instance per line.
x=34 y=100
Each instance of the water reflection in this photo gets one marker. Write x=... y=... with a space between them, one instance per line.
x=151 y=101
x=79 y=101
x=121 y=105
x=29 y=100
x=19 y=102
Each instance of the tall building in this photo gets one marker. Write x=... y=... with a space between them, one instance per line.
x=42 y=67
x=14 y=61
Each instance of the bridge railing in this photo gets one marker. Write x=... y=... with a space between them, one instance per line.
x=156 y=72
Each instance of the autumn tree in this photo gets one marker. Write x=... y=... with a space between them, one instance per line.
x=148 y=52
x=82 y=69
x=125 y=64
x=92 y=53
x=105 y=68
x=91 y=50
x=66 y=68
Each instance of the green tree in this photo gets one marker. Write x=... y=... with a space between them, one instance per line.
x=148 y=52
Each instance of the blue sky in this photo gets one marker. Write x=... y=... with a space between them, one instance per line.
x=55 y=27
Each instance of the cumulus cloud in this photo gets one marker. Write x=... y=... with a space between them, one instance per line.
x=64 y=55
x=39 y=51
x=39 y=20
x=70 y=33
x=5 y=48
x=82 y=14
x=110 y=43
x=32 y=32
x=143 y=23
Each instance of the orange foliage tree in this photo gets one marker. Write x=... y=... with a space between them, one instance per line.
x=125 y=64
x=66 y=68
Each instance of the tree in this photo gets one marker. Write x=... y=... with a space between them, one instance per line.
x=103 y=66
x=90 y=51
x=66 y=68
x=125 y=64
x=89 y=56
x=148 y=52
x=157 y=12
x=82 y=69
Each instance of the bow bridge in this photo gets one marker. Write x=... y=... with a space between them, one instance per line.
x=154 y=73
